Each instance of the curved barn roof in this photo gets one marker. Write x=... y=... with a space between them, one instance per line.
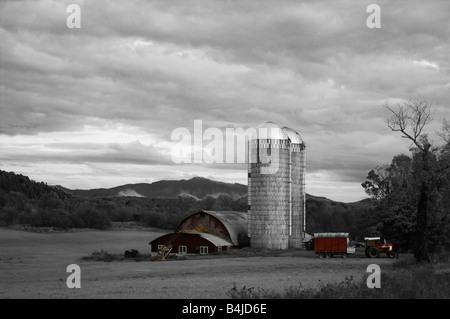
x=214 y=239
x=234 y=222
x=173 y=237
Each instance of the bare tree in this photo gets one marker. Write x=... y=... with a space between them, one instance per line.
x=410 y=119
x=444 y=133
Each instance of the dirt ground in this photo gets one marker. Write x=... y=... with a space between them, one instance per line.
x=33 y=265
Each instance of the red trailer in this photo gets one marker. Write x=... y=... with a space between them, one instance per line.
x=330 y=244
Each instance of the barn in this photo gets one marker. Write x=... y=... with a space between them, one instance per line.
x=206 y=232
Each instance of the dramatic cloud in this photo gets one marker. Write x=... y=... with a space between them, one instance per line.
x=96 y=106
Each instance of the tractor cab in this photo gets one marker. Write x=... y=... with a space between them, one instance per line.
x=373 y=241
x=377 y=245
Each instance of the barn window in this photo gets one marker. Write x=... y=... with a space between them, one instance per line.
x=203 y=250
x=182 y=249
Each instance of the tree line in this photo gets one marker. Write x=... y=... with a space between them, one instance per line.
x=413 y=191
x=23 y=201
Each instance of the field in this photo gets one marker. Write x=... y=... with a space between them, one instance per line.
x=33 y=265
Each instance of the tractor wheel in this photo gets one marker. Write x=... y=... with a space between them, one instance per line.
x=321 y=255
x=391 y=254
x=373 y=252
x=329 y=255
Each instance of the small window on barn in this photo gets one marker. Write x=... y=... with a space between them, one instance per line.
x=203 y=250
x=182 y=249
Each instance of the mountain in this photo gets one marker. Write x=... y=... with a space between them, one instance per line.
x=22 y=186
x=161 y=204
x=197 y=187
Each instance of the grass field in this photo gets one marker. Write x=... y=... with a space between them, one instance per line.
x=33 y=265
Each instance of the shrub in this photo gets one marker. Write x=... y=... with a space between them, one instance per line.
x=102 y=256
x=51 y=218
x=91 y=218
x=151 y=220
x=8 y=215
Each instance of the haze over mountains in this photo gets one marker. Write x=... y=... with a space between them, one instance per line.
x=161 y=204
x=197 y=187
x=323 y=214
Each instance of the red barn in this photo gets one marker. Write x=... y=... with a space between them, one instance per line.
x=205 y=232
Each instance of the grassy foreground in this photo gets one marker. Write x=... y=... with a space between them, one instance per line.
x=405 y=280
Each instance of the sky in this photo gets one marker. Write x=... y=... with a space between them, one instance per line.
x=96 y=106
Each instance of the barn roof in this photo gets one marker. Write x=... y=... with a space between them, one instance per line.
x=235 y=222
x=214 y=239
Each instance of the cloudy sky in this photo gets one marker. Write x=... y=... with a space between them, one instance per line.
x=96 y=106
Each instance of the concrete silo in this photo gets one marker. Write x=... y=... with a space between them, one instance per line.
x=276 y=187
x=297 y=188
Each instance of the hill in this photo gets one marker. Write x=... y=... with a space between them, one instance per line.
x=325 y=215
x=161 y=204
x=196 y=187
x=12 y=183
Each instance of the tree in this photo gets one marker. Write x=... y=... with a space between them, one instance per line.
x=391 y=186
x=410 y=118
x=378 y=182
x=444 y=133
x=50 y=200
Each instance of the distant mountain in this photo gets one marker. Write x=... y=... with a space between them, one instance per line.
x=197 y=187
x=23 y=186
x=25 y=201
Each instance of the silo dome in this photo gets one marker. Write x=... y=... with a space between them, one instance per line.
x=292 y=135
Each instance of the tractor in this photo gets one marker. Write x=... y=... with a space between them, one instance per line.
x=377 y=245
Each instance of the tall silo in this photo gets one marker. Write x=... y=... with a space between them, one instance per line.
x=297 y=188
x=276 y=195
x=269 y=190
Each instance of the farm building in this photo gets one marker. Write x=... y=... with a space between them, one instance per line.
x=205 y=232
x=276 y=214
x=276 y=188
